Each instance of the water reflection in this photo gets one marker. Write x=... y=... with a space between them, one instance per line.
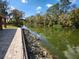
x=72 y=52
x=53 y=49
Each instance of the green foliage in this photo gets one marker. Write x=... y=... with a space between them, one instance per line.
x=3 y=7
x=60 y=26
x=13 y=22
x=3 y=12
x=17 y=16
x=58 y=36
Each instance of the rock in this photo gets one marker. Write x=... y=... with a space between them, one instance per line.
x=35 y=48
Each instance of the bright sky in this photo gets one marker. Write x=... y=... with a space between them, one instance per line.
x=31 y=7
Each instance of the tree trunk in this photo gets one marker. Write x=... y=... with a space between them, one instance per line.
x=1 y=23
x=5 y=23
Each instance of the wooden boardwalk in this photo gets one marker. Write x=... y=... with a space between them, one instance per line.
x=11 y=44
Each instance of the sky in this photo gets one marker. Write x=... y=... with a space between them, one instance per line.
x=32 y=7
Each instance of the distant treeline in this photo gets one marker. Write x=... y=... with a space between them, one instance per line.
x=63 y=13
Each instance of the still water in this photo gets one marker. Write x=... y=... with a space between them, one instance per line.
x=69 y=53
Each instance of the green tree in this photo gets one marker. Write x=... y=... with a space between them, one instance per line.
x=3 y=12
x=17 y=15
x=55 y=12
x=64 y=5
x=74 y=17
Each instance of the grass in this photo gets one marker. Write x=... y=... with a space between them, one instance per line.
x=11 y=27
x=59 y=38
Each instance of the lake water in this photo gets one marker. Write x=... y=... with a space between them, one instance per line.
x=70 y=52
